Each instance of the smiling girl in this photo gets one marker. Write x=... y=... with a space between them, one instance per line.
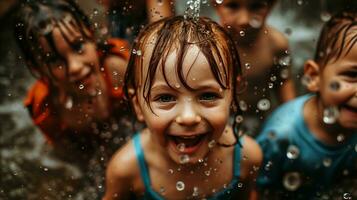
x=182 y=85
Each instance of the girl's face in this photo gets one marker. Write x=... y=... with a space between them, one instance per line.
x=72 y=60
x=183 y=122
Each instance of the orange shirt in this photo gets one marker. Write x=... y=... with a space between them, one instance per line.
x=37 y=100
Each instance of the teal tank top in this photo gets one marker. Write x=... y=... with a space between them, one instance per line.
x=232 y=190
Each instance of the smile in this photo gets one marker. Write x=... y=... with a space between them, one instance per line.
x=187 y=144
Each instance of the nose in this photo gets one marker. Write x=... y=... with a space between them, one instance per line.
x=75 y=66
x=242 y=18
x=188 y=115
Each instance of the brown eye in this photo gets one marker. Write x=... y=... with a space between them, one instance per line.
x=165 y=98
x=209 y=96
x=78 y=46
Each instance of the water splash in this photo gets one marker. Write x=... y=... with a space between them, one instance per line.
x=192 y=9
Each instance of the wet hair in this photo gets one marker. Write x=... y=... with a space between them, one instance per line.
x=36 y=19
x=337 y=38
x=178 y=34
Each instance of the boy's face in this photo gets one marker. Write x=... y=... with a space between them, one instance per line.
x=338 y=87
x=182 y=121
x=243 y=15
x=72 y=53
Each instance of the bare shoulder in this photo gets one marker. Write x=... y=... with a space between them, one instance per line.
x=252 y=157
x=121 y=173
x=280 y=41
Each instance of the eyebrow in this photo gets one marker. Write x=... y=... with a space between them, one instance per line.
x=207 y=86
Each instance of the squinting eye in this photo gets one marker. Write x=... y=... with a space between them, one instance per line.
x=78 y=46
x=350 y=74
x=165 y=98
x=208 y=96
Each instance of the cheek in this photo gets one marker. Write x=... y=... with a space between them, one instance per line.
x=336 y=92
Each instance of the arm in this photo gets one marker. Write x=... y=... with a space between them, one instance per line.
x=119 y=174
x=250 y=167
x=158 y=11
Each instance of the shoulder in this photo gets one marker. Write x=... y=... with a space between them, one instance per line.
x=123 y=164
x=252 y=157
x=121 y=174
x=279 y=40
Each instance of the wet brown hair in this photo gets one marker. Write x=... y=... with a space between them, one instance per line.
x=178 y=33
x=337 y=38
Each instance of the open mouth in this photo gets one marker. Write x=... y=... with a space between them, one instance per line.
x=187 y=144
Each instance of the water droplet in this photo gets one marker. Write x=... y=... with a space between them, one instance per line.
x=263 y=104
x=331 y=115
x=267 y=167
x=340 y=137
x=270 y=85
x=69 y=103
x=45 y=169
x=180 y=186
x=162 y=190
x=285 y=60
x=273 y=78
x=255 y=22
x=335 y=85
x=293 y=152
x=195 y=192
x=207 y=172
x=134 y=51
x=242 y=33
x=184 y=159
x=247 y=65
x=95 y=11
x=81 y=86
x=239 y=119
x=243 y=105
x=177 y=86
x=292 y=181
x=219 y=1
x=299 y=2
x=211 y=144
x=240 y=185
x=284 y=73
x=138 y=52
x=305 y=80
x=327 y=162
x=325 y=16
x=171 y=171
x=181 y=147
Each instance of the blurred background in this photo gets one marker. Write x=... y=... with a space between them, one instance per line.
x=29 y=170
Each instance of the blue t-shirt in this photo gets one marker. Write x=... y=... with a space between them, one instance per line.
x=295 y=162
x=232 y=191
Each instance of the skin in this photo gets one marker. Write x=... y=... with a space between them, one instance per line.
x=182 y=112
x=342 y=71
x=238 y=16
x=79 y=56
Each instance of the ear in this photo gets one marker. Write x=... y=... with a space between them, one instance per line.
x=137 y=109
x=312 y=71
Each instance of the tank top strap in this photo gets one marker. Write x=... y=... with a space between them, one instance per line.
x=141 y=160
x=237 y=157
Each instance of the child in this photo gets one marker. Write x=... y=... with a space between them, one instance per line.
x=310 y=143
x=76 y=98
x=264 y=55
x=182 y=86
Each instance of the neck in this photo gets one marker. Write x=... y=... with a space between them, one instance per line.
x=250 y=38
